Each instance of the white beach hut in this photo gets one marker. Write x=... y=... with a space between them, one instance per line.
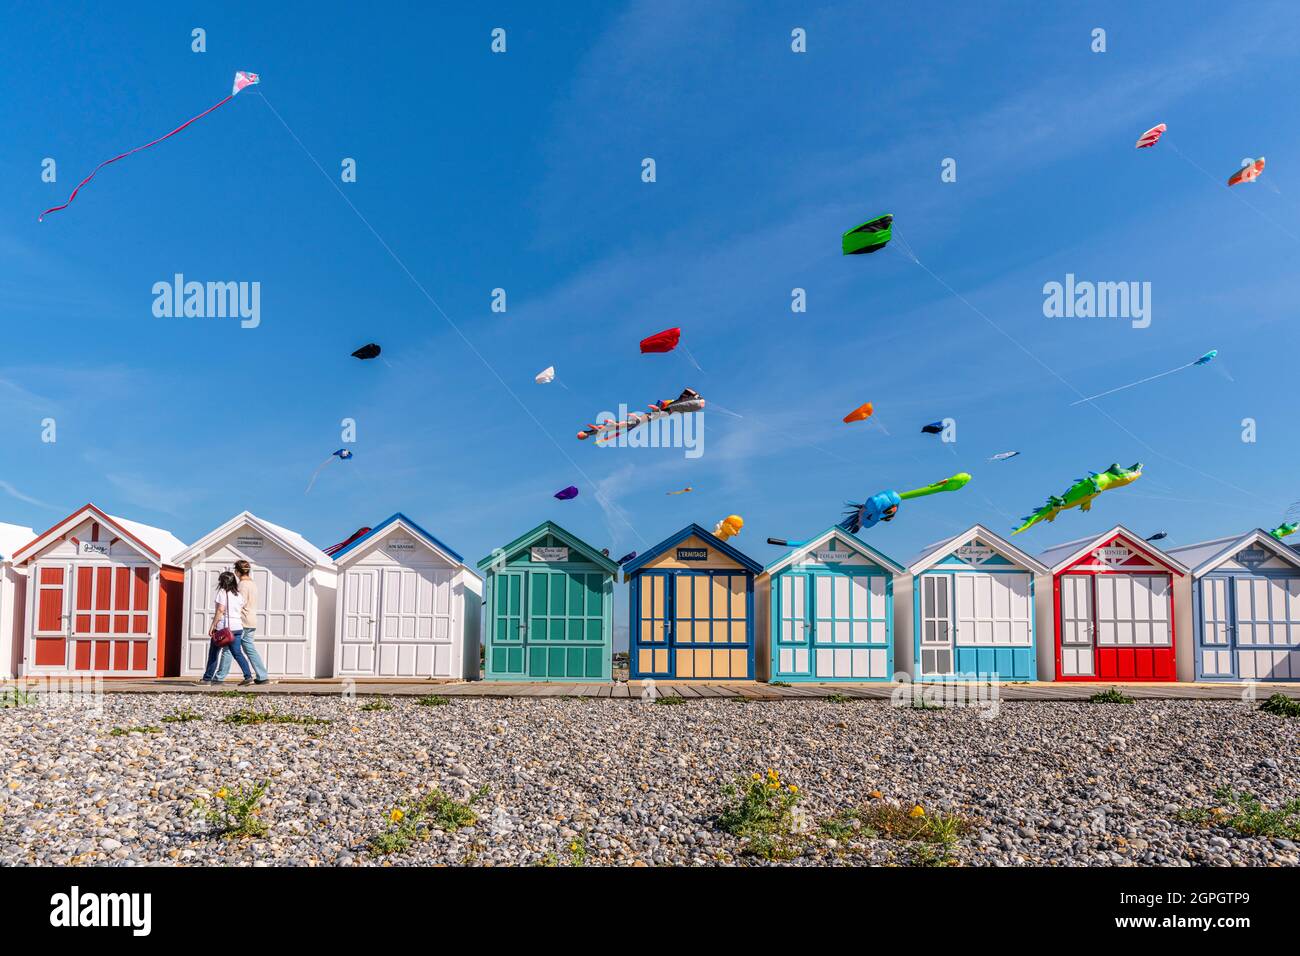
x=295 y=585
x=13 y=595
x=408 y=606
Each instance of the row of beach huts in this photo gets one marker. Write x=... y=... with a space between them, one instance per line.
x=102 y=595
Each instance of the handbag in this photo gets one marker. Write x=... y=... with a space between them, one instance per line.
x=224 y=636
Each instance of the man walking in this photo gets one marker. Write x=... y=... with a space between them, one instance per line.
x=248 y=618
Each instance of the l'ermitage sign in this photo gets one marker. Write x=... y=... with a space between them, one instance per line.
x=692 y=554
x=549 y=554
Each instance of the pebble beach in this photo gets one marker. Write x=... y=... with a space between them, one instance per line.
x=554 y=781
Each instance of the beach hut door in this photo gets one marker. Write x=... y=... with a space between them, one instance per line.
x=794 y=656
x=1076 y=626
x=360 y=608
x=1217 y=658
x=655 y=622
x=508 y=641
x=50 y=630
x=936 y=624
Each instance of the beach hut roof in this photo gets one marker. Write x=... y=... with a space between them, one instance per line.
x=157 y=544
x=1205 y=556
x=291 y=541
x=13 y=537
x=402 y=521
x=932 y=554
x=693 y=530
x=550 y=527
x=1063 y=555
x=835 y=531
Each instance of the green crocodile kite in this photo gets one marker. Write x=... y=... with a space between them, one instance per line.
x=1282 y=530
x=1080 y=494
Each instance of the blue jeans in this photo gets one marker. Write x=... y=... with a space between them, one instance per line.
x=216 y=653
x=244 y=642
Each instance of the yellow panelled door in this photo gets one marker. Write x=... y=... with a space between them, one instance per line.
x=653 y=625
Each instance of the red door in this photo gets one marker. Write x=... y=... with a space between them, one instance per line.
x=50 y=629
x=110 y=619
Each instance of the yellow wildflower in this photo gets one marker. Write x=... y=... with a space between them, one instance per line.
x=793 y=788
x=772 y=774
x=757 y=776
x=223 y=793
x=916 y=811
x=395 y=815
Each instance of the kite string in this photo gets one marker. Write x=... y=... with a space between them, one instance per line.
x=607 y=505
x=106 y=162
x=1141 y=381
x=1101 y=411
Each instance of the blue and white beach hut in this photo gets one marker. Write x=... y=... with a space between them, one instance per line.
x=973 y=609
x=1245 y=607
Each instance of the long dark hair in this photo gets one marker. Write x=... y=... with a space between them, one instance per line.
x=228 y=582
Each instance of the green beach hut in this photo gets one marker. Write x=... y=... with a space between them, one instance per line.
x=550 y=608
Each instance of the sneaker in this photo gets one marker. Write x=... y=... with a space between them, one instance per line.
x=264 y=680
x=245 y=682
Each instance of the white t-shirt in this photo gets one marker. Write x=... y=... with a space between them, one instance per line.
x=233 y=602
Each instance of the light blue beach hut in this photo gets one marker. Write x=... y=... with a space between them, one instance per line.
x=1245 y=607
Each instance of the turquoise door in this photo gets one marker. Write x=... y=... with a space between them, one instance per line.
x=565 y=627
x=793 y=656
x=508 y=643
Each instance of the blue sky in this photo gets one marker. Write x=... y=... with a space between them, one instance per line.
x=522 y=171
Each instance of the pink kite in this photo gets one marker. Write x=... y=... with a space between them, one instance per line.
x=1247 y=174
x=1151 y=136
x=242 y=80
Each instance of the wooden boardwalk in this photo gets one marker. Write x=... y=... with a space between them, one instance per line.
x=689 y=690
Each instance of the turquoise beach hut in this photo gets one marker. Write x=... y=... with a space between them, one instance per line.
x=550 y=608
x=829 y=612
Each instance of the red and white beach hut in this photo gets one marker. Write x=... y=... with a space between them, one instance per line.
x=1113 y=604
x=103 y=598
x=13 y=594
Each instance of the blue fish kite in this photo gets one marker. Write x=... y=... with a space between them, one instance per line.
x=341 y=454
x=567 y=494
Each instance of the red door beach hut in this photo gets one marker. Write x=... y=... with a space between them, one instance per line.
x=408 y=606
x=1113 y=602
x=104 y=598
x=13 y=594
x=295 y=596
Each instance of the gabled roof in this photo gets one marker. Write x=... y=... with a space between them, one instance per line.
x=1208 y=555
x=159 y=545
x=934 y=553
x=401 y=520
x=1065 y=554
x=692 y=530
x=291 y=541
x=13 y=537
x=835 y=531
x=550 y=527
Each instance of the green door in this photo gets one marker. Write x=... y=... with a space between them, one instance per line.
x=564 y=636
x=508 y=644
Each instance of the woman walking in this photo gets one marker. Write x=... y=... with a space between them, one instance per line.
x=227 y=605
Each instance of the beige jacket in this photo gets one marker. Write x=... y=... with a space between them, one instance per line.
x=248 y=591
